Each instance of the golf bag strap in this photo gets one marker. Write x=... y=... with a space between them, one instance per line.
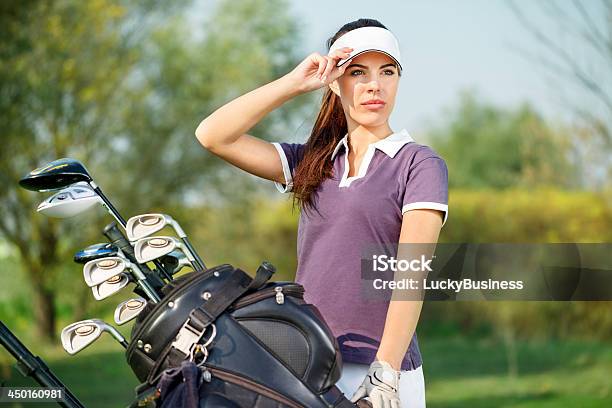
x=236 y=286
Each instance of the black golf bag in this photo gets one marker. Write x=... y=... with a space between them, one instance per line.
x=256 y=343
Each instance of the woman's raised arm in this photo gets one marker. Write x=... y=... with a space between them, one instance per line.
x=224 y=131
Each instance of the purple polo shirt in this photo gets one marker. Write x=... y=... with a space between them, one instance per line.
x=396 y=175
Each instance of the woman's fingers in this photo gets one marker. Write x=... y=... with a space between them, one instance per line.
x=322 y=63
x=332 y=61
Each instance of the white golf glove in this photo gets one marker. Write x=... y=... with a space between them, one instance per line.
x=381 y=386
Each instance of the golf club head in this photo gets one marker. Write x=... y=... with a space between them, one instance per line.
x=76 y=336
x=128 y=310
x=55 y=175
x=150 y=248
x=95 y=251
x=110 y=286
x=175 y=261
x=143 y=225
x=70 y=201
x=97 y=271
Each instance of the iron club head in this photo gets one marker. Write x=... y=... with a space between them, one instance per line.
x=143 y=225
x=150 y=248
x=175 y=261
x=99 y=270
x=110 y=287
x=76 y=336
x=128 y=310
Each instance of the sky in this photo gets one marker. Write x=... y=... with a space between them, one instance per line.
x=450 y=46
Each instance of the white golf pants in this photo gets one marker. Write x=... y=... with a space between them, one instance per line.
x=411 y=385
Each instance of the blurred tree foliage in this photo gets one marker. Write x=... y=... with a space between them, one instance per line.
x=121 y=86
x=485 y=146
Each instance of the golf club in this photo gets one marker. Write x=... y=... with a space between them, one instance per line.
x=175 y=261
x=95 y=251
x=110 y=286
x=70 y=201
x=97 y=271
x=65 y=172
x=128 y=310
x=76 y=336
x=117 y=238
x=143 y=225
x=150 y=248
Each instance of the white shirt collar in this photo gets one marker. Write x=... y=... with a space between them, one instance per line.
x=390 y=145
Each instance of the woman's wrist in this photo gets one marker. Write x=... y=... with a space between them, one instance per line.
x=292 y=86
x=394 y=362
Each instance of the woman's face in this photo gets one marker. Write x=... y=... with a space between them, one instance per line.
x=371 y=76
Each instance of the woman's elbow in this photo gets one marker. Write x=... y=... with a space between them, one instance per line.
x=204 y=137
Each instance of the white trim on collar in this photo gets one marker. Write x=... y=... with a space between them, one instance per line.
x=390 y=145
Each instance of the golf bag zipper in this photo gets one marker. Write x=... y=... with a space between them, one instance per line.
x=251 y=385
x=280 y=292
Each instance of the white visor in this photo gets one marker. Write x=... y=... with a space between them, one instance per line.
x=366 y=39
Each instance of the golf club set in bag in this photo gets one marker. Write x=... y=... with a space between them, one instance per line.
x=212 y=337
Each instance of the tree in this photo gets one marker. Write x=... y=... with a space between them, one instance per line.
x=579 y=57
x=121 y=86
x=489 y=147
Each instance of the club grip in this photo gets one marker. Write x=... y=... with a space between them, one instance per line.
x=116 y=237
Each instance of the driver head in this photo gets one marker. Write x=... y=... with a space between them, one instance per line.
x=55 y=175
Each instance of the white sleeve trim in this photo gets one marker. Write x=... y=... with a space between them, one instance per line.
x=427 y=205
x=284 y=188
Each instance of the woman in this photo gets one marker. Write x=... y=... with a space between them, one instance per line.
x=357 y=182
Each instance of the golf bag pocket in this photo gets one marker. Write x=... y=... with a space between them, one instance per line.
x=190 y=386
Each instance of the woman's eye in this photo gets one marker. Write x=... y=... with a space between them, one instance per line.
x=389 y=72
x=357 y=70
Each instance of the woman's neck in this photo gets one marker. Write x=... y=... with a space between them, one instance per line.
x=361 y=137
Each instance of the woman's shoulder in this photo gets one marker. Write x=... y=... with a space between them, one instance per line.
x=414 y=153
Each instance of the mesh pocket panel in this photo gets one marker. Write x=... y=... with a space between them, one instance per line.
x=283 y=339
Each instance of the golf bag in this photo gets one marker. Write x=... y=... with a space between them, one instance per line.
x=256 y=343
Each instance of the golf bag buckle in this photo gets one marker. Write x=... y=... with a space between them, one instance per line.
x=188 y=338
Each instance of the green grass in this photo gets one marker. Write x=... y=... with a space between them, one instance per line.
x=458 y=373
x=464 y=373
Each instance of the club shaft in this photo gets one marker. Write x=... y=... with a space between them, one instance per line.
x=115 y=333
x=200 y=264
x=111 y=208
x=144 y=284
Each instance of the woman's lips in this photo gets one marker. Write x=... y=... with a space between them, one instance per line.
x=374 y=105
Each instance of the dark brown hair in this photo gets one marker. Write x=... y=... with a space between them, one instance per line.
x=329 y=128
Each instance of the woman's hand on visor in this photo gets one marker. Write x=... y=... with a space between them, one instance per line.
x=317 y=70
